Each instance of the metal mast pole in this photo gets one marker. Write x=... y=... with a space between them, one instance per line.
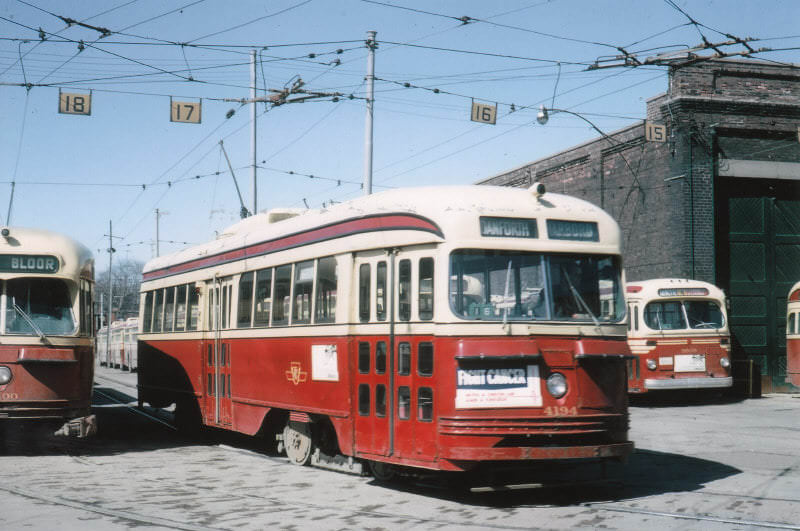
x=253 y=127
x=371 y=45
x=111 y=251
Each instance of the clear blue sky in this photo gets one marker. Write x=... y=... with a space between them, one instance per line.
x=75 y=173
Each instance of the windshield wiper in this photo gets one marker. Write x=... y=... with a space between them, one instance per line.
x=579 y=299
x=30 y=322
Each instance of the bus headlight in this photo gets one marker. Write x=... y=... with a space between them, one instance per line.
x=725 y=362
x=5 y=375
x=651 y=364
x=557 y=385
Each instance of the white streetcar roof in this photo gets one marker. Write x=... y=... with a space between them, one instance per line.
x=436 y=213
x=672 y=288
x=74 y=258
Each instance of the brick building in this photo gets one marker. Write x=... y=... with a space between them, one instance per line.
x=719 y=200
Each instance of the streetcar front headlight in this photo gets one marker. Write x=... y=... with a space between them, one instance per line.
x=5 y=375
x=557 y=385
x=725 y=362
x=651 y=364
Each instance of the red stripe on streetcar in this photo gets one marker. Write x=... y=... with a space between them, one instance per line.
x=320 y=234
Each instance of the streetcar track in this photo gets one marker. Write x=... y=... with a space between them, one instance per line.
x=696 y=517
x=136 y=410
x=126 y=515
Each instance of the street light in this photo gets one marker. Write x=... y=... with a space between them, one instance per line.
x=544 y=115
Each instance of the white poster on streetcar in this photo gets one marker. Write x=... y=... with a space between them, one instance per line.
x=324 y=363
x=498 y=387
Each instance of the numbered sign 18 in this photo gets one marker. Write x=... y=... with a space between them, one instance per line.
x=654 y=132
x=185 y=111
x=72 y=103
x=483 y=113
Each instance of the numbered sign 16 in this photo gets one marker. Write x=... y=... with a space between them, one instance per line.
x=654 y=132
x=185 y=111
x=483 y=113
x=72 y=103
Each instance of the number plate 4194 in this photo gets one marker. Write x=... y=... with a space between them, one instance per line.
x=561 y=411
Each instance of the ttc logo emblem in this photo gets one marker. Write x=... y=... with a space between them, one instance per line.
x=296 y=374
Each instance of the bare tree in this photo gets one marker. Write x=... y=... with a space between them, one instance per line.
x=126 y=278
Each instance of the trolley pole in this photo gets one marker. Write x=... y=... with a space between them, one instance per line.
x=158 y=251
x=371 y=46
x=253 y=128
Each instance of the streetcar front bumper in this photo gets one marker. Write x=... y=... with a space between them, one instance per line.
x=654 y=384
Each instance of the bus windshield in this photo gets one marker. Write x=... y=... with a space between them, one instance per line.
x=674 y=315
x=43 y=301
x=525 y=286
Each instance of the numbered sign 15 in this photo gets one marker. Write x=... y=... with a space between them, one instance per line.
x=72 y=103
x=185 y=111
x=483 y=113
x=654 y=132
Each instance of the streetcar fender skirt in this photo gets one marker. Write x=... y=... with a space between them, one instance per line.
x=461 y=453
x=688 y=383
x=248 y=418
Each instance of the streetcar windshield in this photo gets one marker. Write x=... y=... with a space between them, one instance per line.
x=42 y=303
x=680 y=315
x=522 y=286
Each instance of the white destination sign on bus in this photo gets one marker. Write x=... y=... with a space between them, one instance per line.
x=498 y=387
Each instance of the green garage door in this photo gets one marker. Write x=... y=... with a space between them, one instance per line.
x=758 y=260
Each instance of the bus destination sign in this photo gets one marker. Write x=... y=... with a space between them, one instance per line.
x=508 y=227
x=15 y=263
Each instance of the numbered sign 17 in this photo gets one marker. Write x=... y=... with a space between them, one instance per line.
x=483 y=113
x=72 y=103
x=185 y=111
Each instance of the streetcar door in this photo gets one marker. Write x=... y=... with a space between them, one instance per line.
x=217 y=352
x=371 y=353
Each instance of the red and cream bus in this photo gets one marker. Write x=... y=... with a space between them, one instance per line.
x=678 y=333
x=437 y=328
x=793 y=336
x=46 y=329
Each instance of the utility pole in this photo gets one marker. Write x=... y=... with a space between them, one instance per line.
x=111 y=252
x=158 y=251
x=371 y=46
x=253 y=114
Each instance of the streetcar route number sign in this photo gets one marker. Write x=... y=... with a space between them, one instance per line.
x=483 y=113
x=73 y=103
x=187 y=112
x=655 y=132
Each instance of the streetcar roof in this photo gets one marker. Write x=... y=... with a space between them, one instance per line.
x=672 y=288
x=74 y=258
x=433 y=213
x=794 y=288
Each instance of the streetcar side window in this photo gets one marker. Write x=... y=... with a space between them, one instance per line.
x=380 y=291
x=403 y=403
x=380 y=357
x=425 y=404
x=280 y=311
x=636 y=317
x=363 y=292
x=425 y=359
x=147 y=315
x=169 y=310
x=363 y=399
x=380 y=400
x=193 y=307
x=303 y=287
x=326 y=289
x=404 y=359
x=630 y=318
x=363 y=357
x=404 y=288
x=426 y=289
x=244 y=313
x=180 y=308
x=158 y=311
x=263 y=297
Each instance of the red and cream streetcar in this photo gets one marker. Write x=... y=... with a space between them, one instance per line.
x=437 y=328
x=678 y=333
x=793 y=336
x=46 y=329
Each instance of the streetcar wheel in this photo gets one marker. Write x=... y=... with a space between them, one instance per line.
x=297 y=441
x=382 y=471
